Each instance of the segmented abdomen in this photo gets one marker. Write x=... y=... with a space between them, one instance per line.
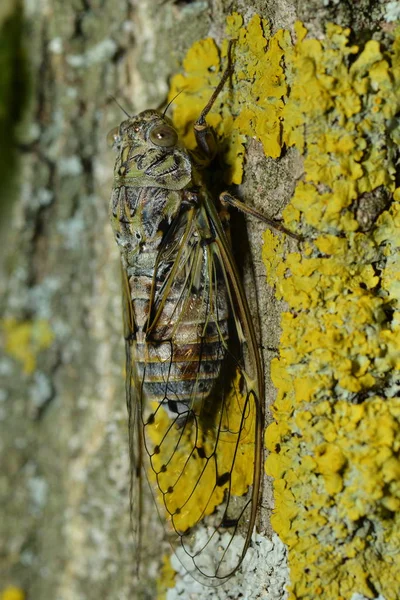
x=180 y=359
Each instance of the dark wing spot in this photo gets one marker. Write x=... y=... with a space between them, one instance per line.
x=201 y=452
x=223 y=479
x=173 y=406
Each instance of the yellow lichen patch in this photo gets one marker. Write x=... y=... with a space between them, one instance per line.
x=12 y=593
x=272 y=256
x=251 y=106
x=337 y=490
x=190 y=463
x=166 y=578
x=24 y=340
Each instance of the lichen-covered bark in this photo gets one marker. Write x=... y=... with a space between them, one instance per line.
x=65 y=529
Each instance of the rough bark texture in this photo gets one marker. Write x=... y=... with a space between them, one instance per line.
x=65 y=528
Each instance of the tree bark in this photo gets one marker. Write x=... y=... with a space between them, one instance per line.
x=65 y=476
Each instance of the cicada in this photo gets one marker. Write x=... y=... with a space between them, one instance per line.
x=194 y=382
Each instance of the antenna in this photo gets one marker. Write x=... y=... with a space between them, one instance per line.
x=118 y=104
x=170 y=102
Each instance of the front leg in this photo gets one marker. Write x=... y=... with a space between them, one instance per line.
x=204 y=133
x=206 y=142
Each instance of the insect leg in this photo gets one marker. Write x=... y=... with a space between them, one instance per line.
x=227 y=198
x=205 y=136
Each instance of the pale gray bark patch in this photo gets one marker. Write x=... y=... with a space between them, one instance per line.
x=65 y=528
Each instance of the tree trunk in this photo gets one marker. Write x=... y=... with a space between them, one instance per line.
x=65 y=475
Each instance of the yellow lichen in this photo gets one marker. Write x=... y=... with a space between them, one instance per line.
x=12 y=593
x=166 y=578
x=340 y=347
x=24 y=340
x=252 y=106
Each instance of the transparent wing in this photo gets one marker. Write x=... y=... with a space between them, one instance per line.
x=134 y=421
x=198 y=422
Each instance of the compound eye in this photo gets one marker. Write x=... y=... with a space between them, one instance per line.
x=163 y=135
x=113 y=137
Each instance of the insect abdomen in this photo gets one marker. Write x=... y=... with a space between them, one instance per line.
x=180 y=359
